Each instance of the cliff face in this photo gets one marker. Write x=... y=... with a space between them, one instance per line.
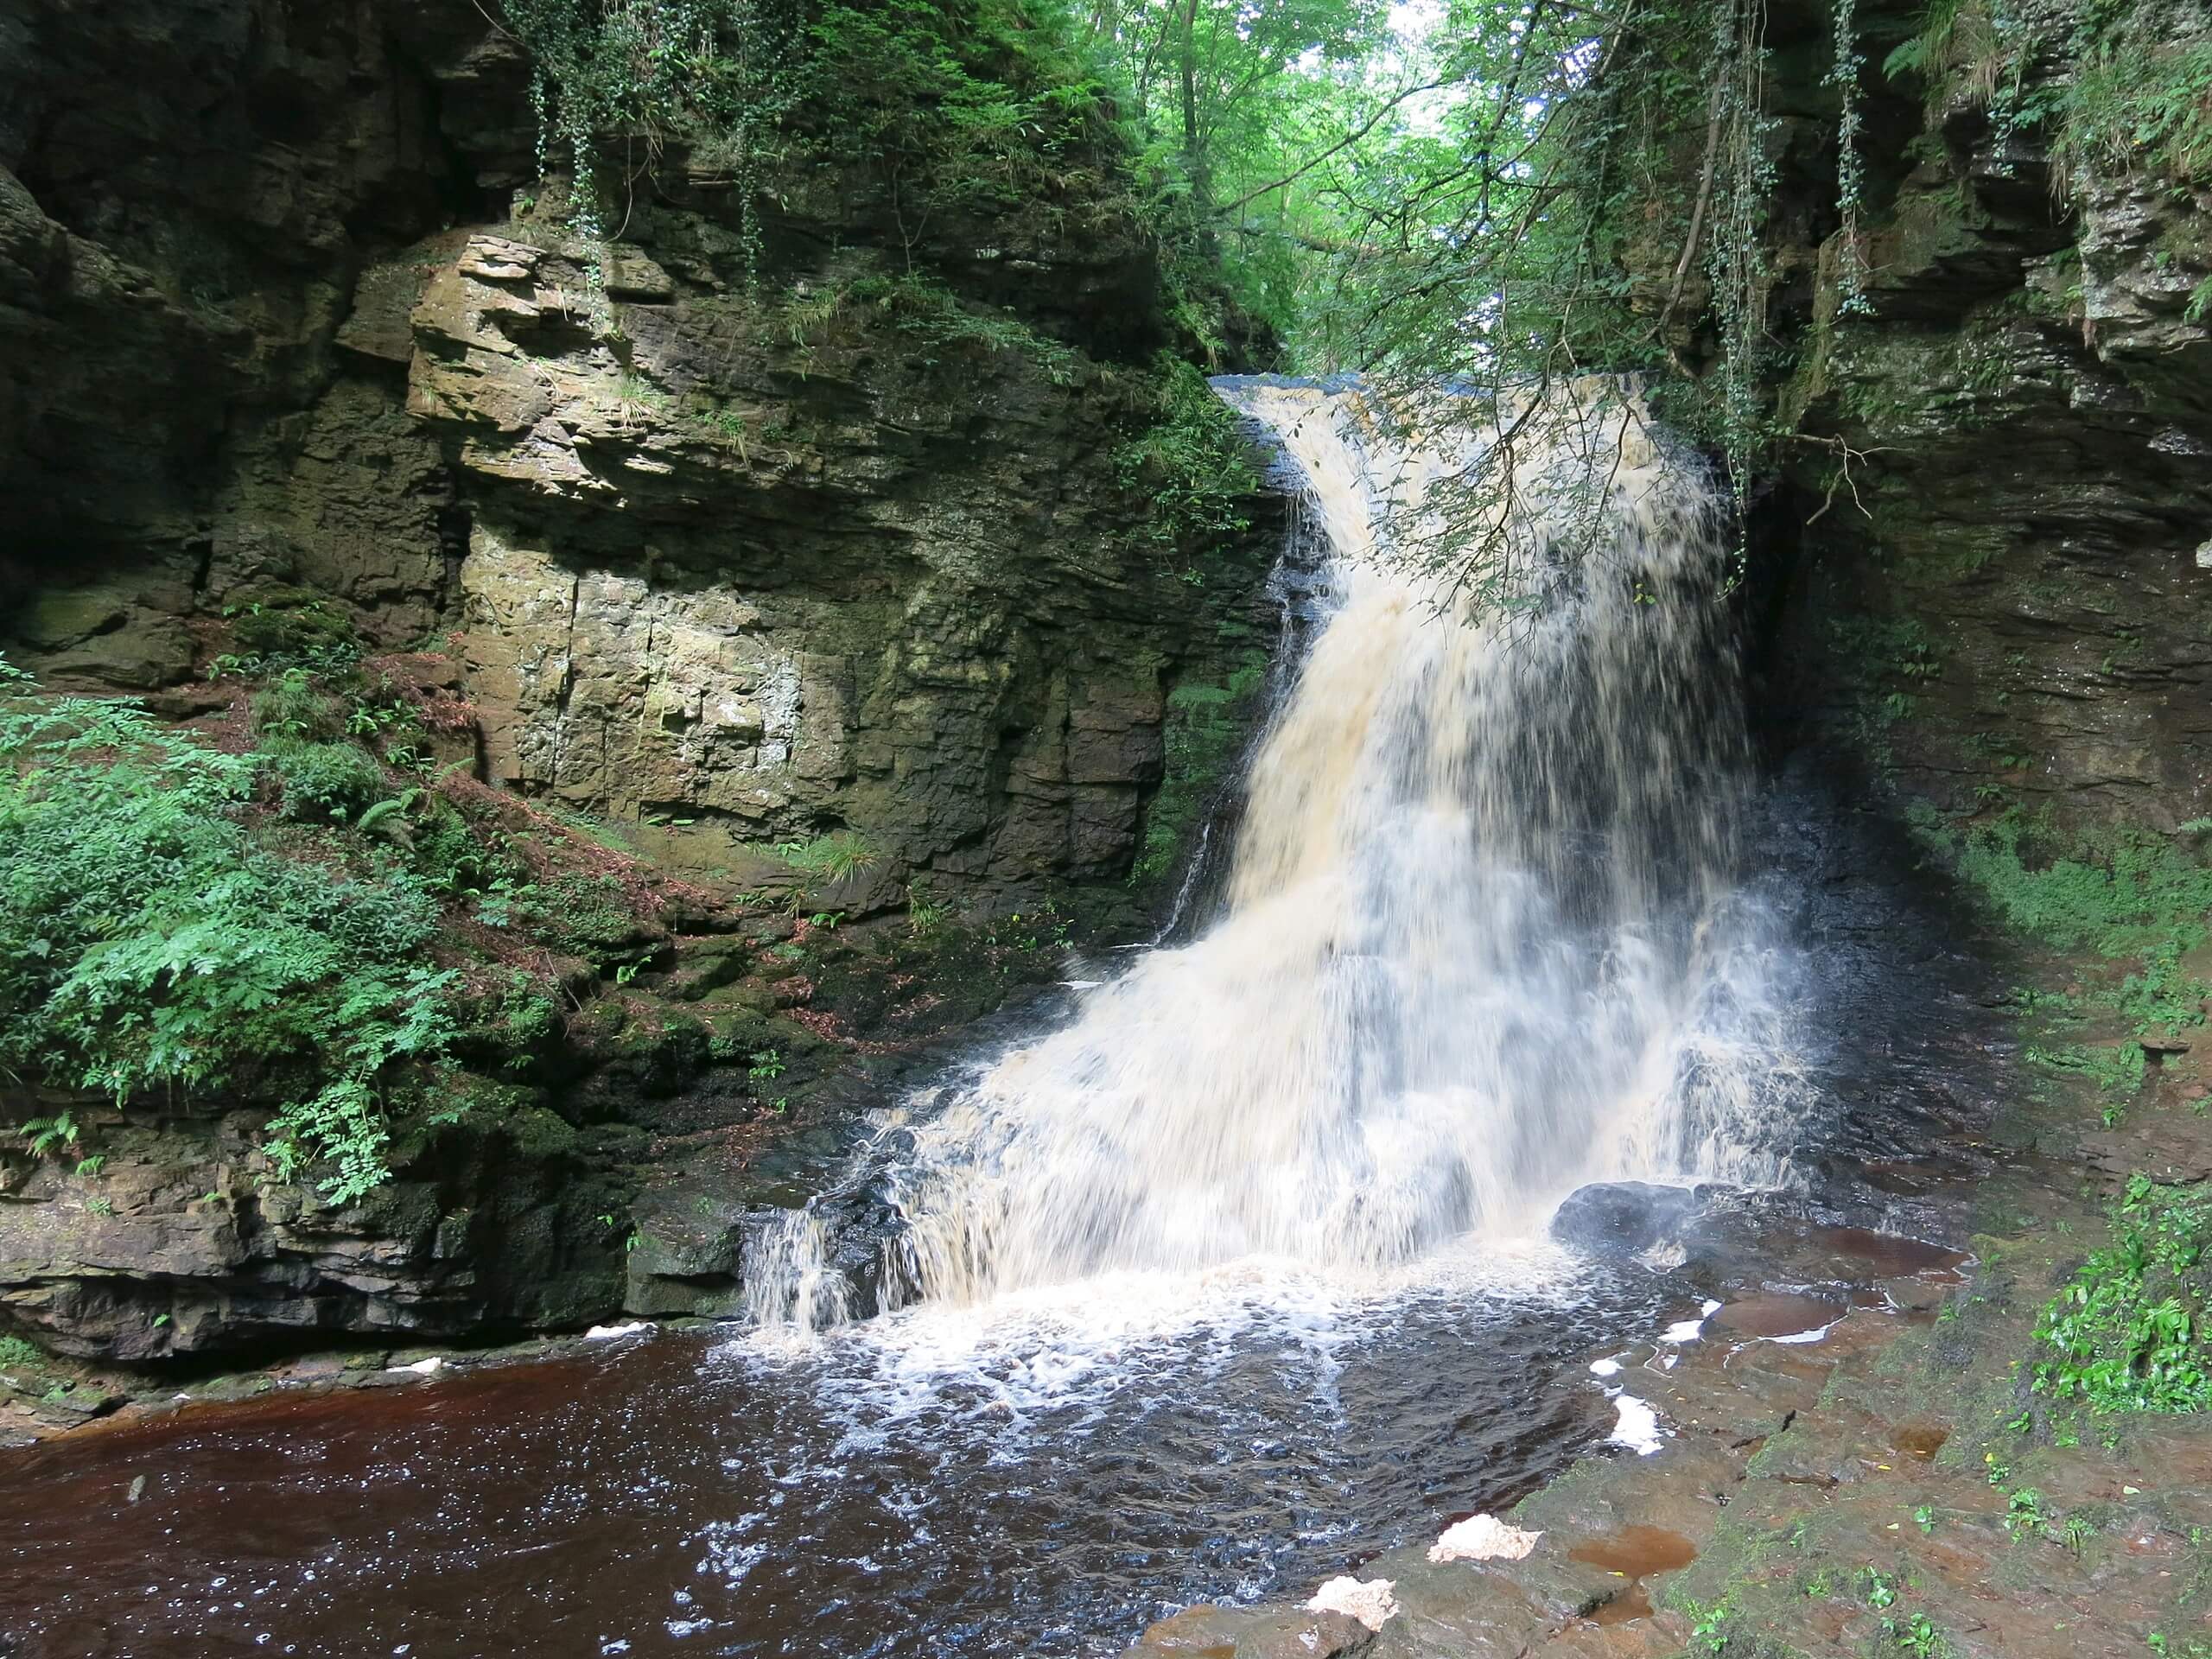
x=186 y=193
x=778 y=586
x=844 y=548
x=2001 y=462
x=776 y=521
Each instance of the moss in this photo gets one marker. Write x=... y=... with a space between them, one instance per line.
x=2123 y=893
x=1204 y=731
x=537 y=1133
x=278 y=625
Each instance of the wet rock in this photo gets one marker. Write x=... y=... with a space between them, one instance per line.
x=687 y=1258
x=1623 y=1218
x=2035 y=640
x=184 y=1243
x=1779 y=1317
x=1243 y=1633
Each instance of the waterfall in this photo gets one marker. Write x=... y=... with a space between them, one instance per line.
x=1485 y=936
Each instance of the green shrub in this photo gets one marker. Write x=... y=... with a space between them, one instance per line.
x=2129 y=1330
x=1194 y=461
x=326 y=782
x=587 y=916
x=147 y=943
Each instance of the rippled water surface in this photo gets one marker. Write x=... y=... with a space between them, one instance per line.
x=1046 y=1480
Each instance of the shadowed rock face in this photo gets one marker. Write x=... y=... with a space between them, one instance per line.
x=186 y=193
x=193 y=1248
x=2005 y=599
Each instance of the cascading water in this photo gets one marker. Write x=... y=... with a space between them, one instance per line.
x=1482 y=942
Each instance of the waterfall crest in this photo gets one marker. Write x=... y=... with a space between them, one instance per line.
x=1483 y=938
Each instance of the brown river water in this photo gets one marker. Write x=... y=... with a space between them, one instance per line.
x=990 y=1489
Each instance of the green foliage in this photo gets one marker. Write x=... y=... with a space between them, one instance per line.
x=1193 y=460
x=2124 y=894
x=325 y=782
x=519 y=1021
x=2133 y=93
x=281 y=629
x=44 y=1135
x=293 y=707
x=717 y=75
x=929 y=313
x=830 y=858
x=967 y=109
x=17 y=1355
x=1916 y=1636
x=147 y=943
x=2140 y=99
x=2128 y=1332
x=924 y=915
x=1956 y=38
x=2024 y=1512
x=635 y=401
x=1709 y=1631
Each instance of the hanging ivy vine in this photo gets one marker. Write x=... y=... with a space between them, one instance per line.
x=1850 y=162
x=615 y=82
x=1738 y=264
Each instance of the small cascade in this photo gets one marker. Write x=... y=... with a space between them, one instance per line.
x=1484 y=938
x=792 y=1282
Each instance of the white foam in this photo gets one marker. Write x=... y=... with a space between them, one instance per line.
x=609 y=1332
x=420 y=1368
x=1605 y=1368
x=1638 y=1427
x=1047 y=1347
x=1483 y=1538
x=1683 y=1330
x=1818 y=1334
x=1370 y=1601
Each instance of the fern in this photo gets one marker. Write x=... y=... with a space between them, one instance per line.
x=147 y=943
